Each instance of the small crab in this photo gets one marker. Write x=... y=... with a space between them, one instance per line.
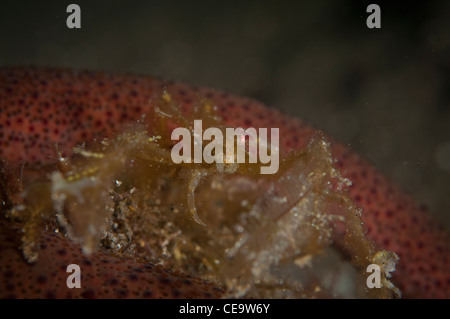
x=224 y=222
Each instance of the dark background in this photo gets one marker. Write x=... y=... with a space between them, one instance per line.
x=385 y=92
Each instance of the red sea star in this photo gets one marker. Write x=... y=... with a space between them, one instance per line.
x=41 y=107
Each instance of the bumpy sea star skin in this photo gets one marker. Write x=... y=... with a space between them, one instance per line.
x=41 y=107
x=107 y=276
